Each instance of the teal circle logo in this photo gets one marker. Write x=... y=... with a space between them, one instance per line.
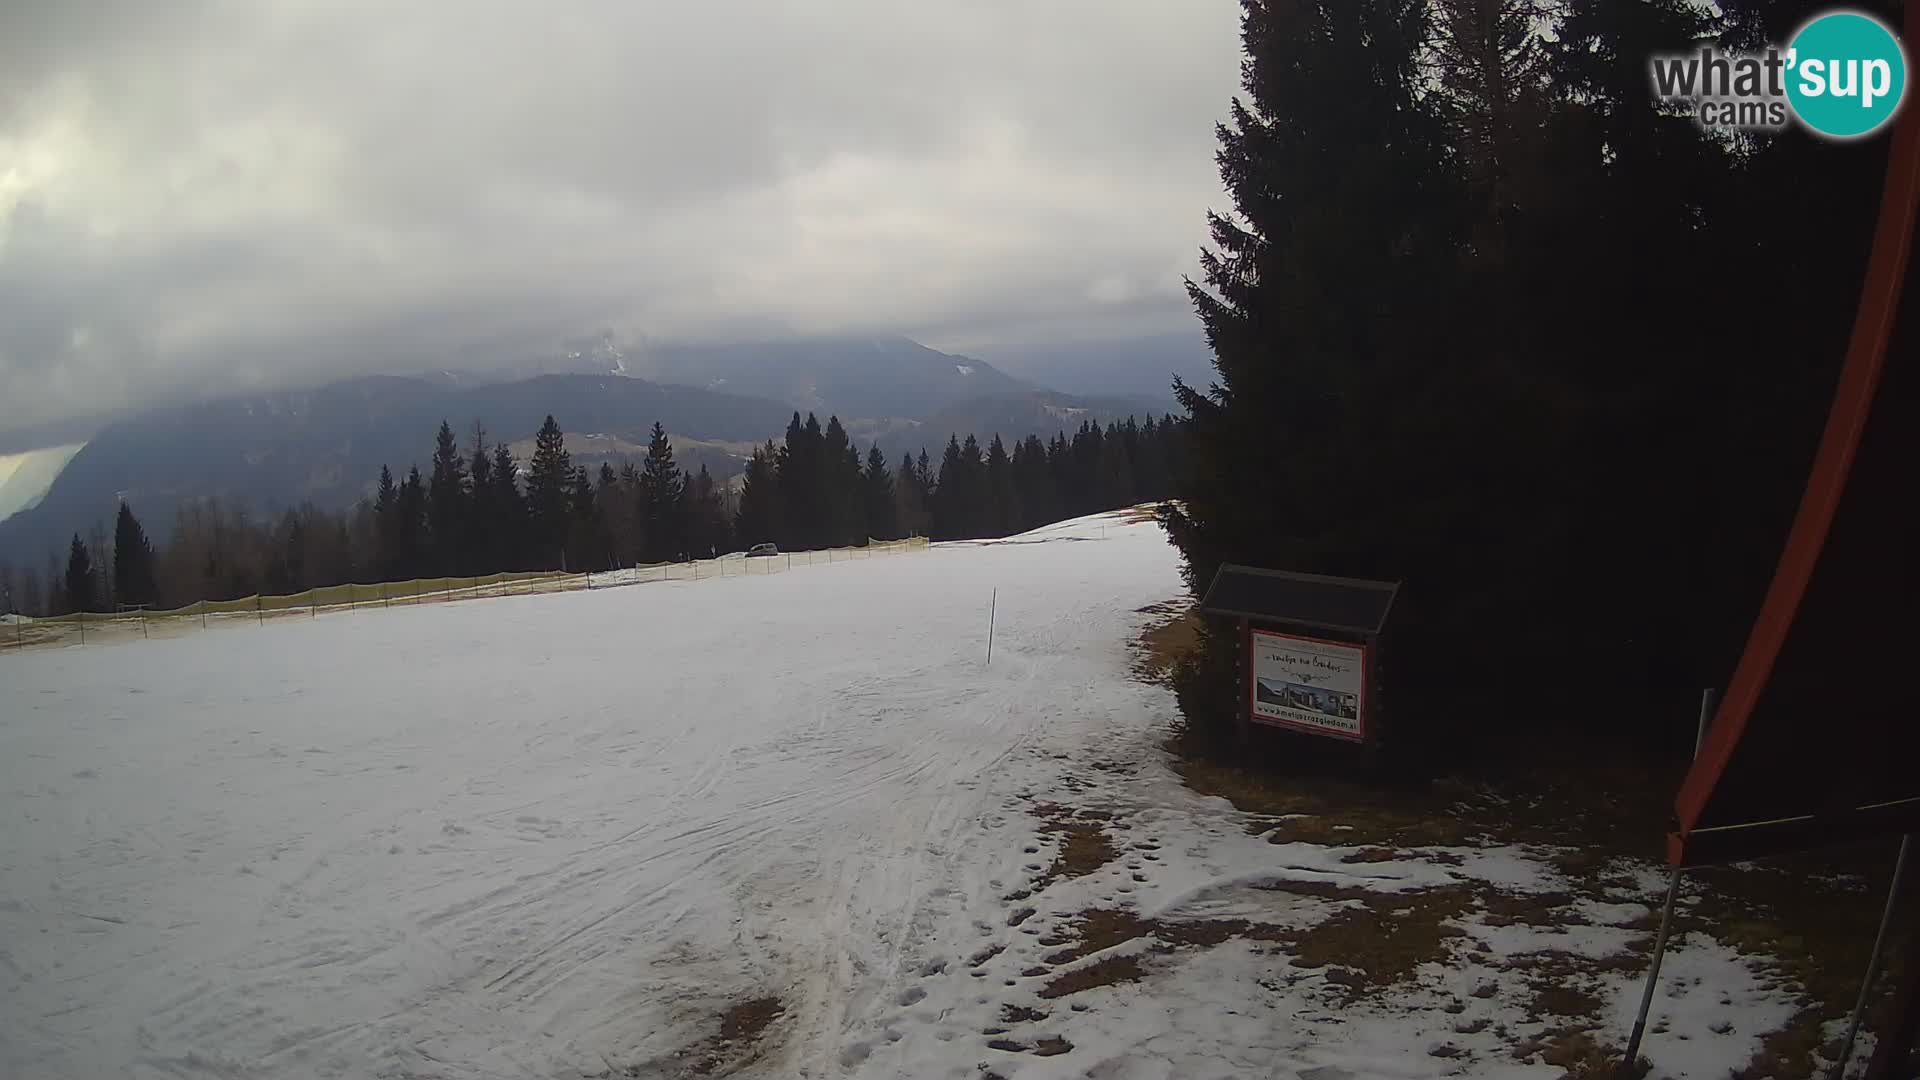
x=1846 y=74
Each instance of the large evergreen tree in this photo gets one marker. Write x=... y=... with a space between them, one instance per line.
x=878 y=493
x=662 y=500
x=804 y=507
x=478 y=554
x=707 y=529
x=1002 y=500
x=1318 y=302
x=910 y=498
x=761 y=502
x=507 y=521
x=387 y=524
x=411 y=525
x=133 y=581
x=844 y=521
x=79 y=593
x=549 y=481
x=448 y=510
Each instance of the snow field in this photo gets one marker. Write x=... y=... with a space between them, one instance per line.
x=557 y=835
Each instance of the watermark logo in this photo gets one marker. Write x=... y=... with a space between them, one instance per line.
x=1843 y=76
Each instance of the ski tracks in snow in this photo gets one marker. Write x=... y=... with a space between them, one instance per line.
x=551 y=835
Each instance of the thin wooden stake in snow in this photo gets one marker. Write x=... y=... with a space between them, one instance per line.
x=993 y=609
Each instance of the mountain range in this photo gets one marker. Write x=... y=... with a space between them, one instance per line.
x=270 y=450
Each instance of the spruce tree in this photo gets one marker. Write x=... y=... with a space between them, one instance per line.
x=549 y=478
x=912 y=511
x=662 y=500
x=878 y=491
x=758 y=519
x=585 y=548
x=411 y=527
x=477 y=547
x=1002 y=502
x=133 y=580
x=1319 y=302
x=1033 y=484
x=839 y=465
x=508 y=514
x=102 y=553
x=1492 y=95
x=1114 y=482
x=706 y=519
x=448 y=509
x=387 y=528
x=79 y=578
x=945 y=504
x=805 y=512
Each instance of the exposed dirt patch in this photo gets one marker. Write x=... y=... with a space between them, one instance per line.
x=1174 y=630
x=1108 y=972
x=1549 y=909
x=737 y=1043
x=1386 y=939
x=1084 y=844
x=1583 y=1057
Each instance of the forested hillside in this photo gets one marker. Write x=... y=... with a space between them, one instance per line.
x=476 y=509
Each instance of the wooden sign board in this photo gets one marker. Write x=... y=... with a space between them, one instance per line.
x=1309 y=684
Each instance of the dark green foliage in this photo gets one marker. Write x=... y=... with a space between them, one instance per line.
x=910 y=490
x=133 y=580
x=410 y=526
x=549 y=484
x=448 y=509
x=708 y=530
x=1002 y=511
x=469 y=517
x=79 y=592
x=507 y=513
x=840 y=486
x=662 y=494
x=876 y=486
x=761 y=503
x=1450 y=350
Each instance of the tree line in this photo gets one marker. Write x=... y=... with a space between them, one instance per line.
x=477 y=511
x=1482 y=326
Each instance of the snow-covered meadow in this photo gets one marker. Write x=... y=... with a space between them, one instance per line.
x=561 y=835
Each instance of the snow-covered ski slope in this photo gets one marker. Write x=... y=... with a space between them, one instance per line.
x=564 y=835
x=534 y=836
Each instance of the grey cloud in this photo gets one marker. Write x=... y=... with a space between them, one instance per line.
x=202 y=194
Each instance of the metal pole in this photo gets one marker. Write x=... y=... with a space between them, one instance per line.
x=143 y=624
x=1873 y=958
x=203 y=614
x=83 y=627
x=1666 y=919
x=1653 y=977
x=259 y=617
x=993 y=610
x=1893 y=1051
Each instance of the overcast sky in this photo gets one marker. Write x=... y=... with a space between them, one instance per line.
x=200 y=195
